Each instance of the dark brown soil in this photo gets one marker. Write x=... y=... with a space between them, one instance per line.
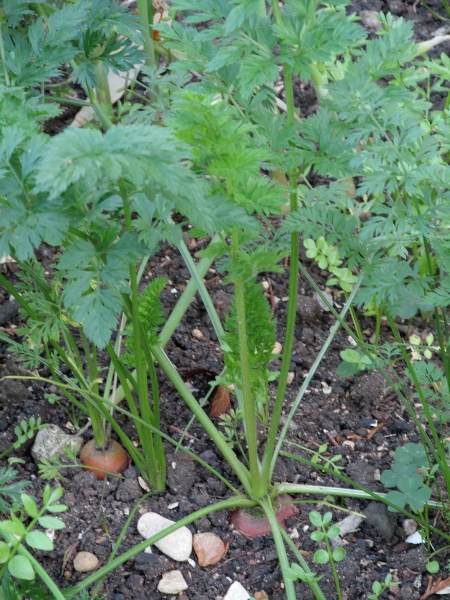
x=339 y=412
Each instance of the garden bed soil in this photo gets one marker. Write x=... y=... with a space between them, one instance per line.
x=359 y=418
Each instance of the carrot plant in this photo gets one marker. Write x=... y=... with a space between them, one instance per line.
x=230 y=158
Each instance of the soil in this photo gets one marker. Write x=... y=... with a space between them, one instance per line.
x=358 y=417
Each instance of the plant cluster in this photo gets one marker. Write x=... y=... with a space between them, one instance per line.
x=226 y=156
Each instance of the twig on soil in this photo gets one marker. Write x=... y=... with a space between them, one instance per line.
x=68 y=555
x=434 y=588
x=375 y=430
x=331 y=438
x=187 y=435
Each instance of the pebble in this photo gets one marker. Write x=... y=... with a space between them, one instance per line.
x=176 y=545
x=51 y=441
x=85 y=562
x=369 y=19
x=409 y=526
x=396 y=7
x=378 y=516
x=209 y=548
x=172 y=582
x=308 y=309
x=236 y=592
x=277 y=348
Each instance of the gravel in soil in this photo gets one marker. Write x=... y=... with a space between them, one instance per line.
x=339 y=412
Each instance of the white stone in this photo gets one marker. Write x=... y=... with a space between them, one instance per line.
x=177 y=545
x=172 y=582
x=51 y=441
x=350 y=524
x=236 y=592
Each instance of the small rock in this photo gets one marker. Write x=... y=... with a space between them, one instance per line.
x=51 y=441
x=277 y=348
x=349 y=524
x=85 y=562
x=369 y=19
x=396 y=7
x=378 y=516
x=236 y=592
x=321 y=303
x=197 y=334
x=209 y=548
x=308 y=309
x=177 y=545
x=409 y=526
x=172 y=582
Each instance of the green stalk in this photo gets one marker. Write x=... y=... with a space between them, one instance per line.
x=378 y=315
x=259 y=486
x=332 y=564
x=352 y=312
x=274 y=455
x=267 y=469
x=197 y=278
x=147 y=441
x=99 y=110
x=178 y=312
x=145 y=11
x=235 y=502
x=360 y=493
x=26 y=307
x=97 y=422
x=315 y=588
x=154 y=417
x=103 y=93
x=217 y=438
x=275 y=527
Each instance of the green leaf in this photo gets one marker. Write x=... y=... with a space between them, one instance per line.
x=39 y=540
x=48 y=522
x=321 y=557
x=57 y=508
x=15 y=527
x=21 y=568
x=29 y=505
x=346 y=369
x=396 y=498
x=317 y=536
x=315 y=518
x=333 y=532
x=338 y=554
x=55 y=495
x=433 y=567
x=327 y=518
x=4 y=552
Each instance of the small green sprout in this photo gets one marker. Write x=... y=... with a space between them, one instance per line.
x=417 y=347
x=327 y=258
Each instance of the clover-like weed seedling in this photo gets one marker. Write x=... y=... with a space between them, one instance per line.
x=16 y=532
x=325 y=533
x=403 y=475
x=379 y=587
x=353 y=361
x=327 y=257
